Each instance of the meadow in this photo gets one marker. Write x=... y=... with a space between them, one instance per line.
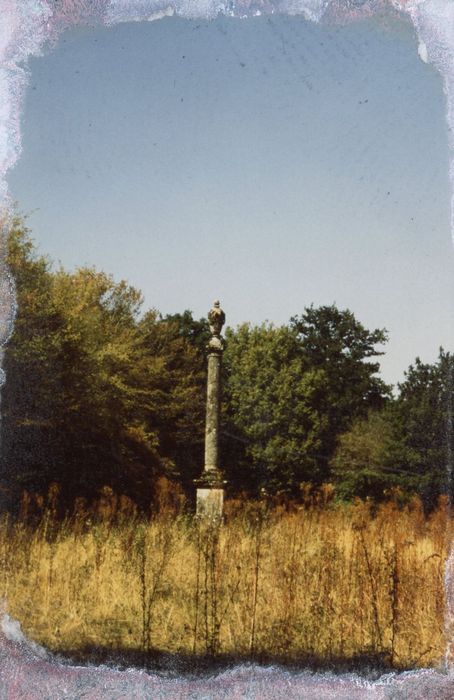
x=315 y=582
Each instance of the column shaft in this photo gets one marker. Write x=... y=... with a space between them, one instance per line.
x=213 y=412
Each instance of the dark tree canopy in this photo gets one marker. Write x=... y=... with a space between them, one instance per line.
x=95 y=395
x=409 y=445
x=423 y=412
x=336 y=342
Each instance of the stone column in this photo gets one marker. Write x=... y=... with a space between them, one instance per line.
x=210 y=486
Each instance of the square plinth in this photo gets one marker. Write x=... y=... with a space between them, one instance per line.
x=210 y=502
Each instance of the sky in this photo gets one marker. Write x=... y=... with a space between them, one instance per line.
x=269 y=162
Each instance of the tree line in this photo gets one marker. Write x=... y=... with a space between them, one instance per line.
x=101 y=393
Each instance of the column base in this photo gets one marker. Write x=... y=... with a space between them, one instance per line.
x=210 y=495
x=210 y=504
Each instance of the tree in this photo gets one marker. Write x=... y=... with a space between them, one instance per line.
x=29 y=440
x=334 y=341
x=409 y=445
x=95 y=395
x=291 y=391
x=369 y=460
x=196 y=333
x=271 y=424
x=175 y=342
x=423 y=412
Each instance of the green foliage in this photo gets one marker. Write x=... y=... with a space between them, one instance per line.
x=366 y=463
x=196 y=333
x=98 y=394
x=291 y=391
x=95 y=395
x=408 y=446
x=423 y=413
x=271 y=413
x=333 y=340
x=178 y=411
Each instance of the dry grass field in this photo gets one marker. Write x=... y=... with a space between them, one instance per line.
x=322 y=581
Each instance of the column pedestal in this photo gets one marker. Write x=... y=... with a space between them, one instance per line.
x=210 y=495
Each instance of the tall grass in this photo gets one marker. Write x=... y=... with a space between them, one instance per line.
x=321 y=582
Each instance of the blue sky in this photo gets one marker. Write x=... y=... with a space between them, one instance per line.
x=269 y=162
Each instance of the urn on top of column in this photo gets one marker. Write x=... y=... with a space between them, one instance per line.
x=216 y=319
